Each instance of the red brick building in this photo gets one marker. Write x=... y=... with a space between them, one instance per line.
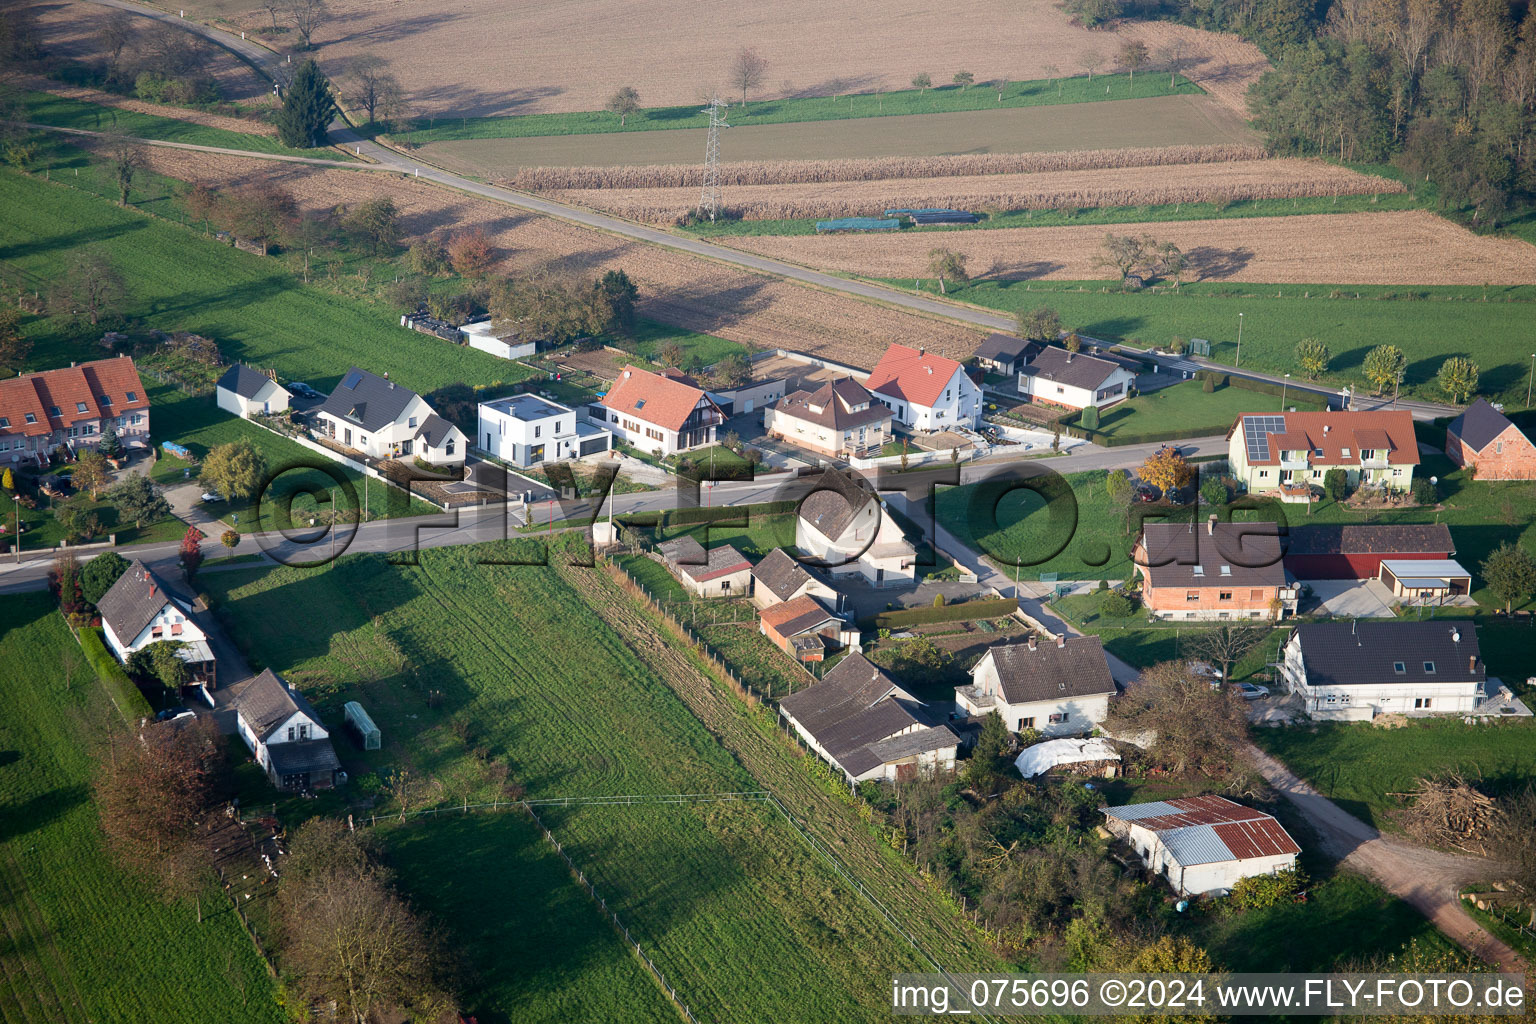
x=1215 y=571
x=69 y=407
x=1485 y=438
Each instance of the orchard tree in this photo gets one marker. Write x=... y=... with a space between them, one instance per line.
x=138 y=498
x=376 y=222
x=624 y=102
x=619 y=292
x=1042 y=323
x=307 y=16
x=1458 y=378
x=374 y=89
x=308 y=107
x=1225 y=646
x=947 y=264
x=235 y=469
x=127 y=161
x=471 y=253
x=1134 y=56
x=1166 y=469
x=90 y=288
x=747 y=70
x=964 y=79
x=922 y=83
x=1312 y=356
x=1384 y=367
x=1510 y=573
x=15 y=347
x=1197 y=728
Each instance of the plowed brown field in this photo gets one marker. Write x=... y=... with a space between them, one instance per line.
x=1132 y=186
x=1409 y=247
x=675 y=288
x=483 y=57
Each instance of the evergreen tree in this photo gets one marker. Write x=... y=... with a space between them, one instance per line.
x=109 y=445
x=308 y=108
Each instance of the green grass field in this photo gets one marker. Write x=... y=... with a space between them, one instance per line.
x=1358 y=765
x=1188 y=411
x=83 y=941
x=253 y=307
x=535 y=680
x=61 y=112
x=702 y=349
x=1430 y=323
x=945 y=99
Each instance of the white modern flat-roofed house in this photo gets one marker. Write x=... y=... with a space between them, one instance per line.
x=525 y=430
x=1059 y=686
x=137 y=611
x=382 y=419
x=659 y=412
x=925 y=391
x=1203 y=844
x=843 y=528
x=498 y=338
x=245 y=392
x=1055 y=376
x=1354 y=671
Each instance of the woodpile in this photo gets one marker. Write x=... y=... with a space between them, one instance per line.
x=1450 y=811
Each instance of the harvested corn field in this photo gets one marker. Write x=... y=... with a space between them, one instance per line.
x=1133 y=186
x=674 y=288
x=1408 y=247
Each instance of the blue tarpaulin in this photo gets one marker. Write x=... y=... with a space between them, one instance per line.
x=858 y=224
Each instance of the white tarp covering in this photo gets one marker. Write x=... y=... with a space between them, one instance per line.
x=1042 y=757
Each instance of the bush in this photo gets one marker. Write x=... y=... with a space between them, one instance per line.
x=130 y=702
x=1208 y=386
x=1335 y=484
x=1260 y=891
x=1115 y=605
x=938 y=600
x=1424 y=492
x=1213 y=491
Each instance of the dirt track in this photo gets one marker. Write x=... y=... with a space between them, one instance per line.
x=1393 y=248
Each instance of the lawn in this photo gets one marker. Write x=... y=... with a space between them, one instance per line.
x=468 y=667
x=61 y=112
x=86 y=942
x=942 y=100
x=1359 y=765
x=1185 y=411
x=754 y=533
x=1429 y=323
x=195 y=422
x=699 y=350
x=252 y=307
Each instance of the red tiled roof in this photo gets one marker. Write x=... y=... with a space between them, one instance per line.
x=917 y=376
x=652 y=397
x=66 y=389
x=1333 y=431
x=791 y=617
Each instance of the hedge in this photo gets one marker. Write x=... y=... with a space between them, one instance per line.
x=985 y=608
x=124 y=693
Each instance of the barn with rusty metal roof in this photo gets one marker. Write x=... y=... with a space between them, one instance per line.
x=1203 y=844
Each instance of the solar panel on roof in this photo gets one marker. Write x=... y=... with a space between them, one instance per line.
x=353 y=379
x=1256 y=431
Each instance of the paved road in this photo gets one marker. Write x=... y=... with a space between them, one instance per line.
x=1426 y=879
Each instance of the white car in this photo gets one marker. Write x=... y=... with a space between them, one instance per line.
x=1250 y=691
x=212 y=496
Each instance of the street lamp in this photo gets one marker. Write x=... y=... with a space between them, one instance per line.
x=1283 y=386
x=1529 y=380
x=16 y=498
x=1239 y=360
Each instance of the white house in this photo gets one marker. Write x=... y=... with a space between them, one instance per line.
x=498 y=338
x=841 y=419
x=1055 y=376
x=284 y=733
x=1353 y=671
x=1267 y=451
x=525 y=430
x=844 y=528
x=245 y=392
x=863 y=724
x=137 y=611
x=925 y=391
x=1203 y=844
x=722 y=571
x=381 y=419
x=779 y=577
x=655 y=412
x=1057 y=687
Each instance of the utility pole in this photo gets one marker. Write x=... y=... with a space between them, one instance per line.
x=1283 y=386
x=1239 y=360
x=709 y=197
x=1530 y=380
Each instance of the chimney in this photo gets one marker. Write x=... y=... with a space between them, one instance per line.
x=922 y=350
x=72 y=364
x=1061 y=639
x=1210 y=525
x=1471 y=663
x=1325 y=428
x=1031 y=641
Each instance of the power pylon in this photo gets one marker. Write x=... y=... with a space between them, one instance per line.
x=709 y=198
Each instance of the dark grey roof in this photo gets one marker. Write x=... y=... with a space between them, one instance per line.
x=684 y=550
x=780 y=574
x=1078 y=668
x=1369 y=651
x=1062 y=367
x=1231 y=554
x=246 y=382
x=1369 y=539
x=133 y=601
x=266 y=702
x=832 y=507
x=1006 y=348
x=300 y=756
x=367 y=399
x=722 y=560
x=1479 y=424
x=919 y=741
x=853 y=709
x=835 y=404
x=434 y=430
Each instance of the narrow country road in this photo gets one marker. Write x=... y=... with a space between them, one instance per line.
x=1428 y=880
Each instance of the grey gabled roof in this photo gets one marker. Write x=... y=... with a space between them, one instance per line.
x=1370 y=539
x=267 y=701
x=1078 y=668
x=855 y=714
x=1077 y=371
x=434 y=430
x=1479 y=424
x=1367 y=652
x=832 y=507
x=246 y=382
x=1233 y=554
x=683 y=550
x=303 y=756
x=1006 y=348
x=367 y=399
x=780 y=574
x=133 y=601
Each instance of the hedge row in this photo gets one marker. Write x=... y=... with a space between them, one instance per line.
x=986 y=608
x=130 y=702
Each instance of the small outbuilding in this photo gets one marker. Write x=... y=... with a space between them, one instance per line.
x=1203 y=844
x=722 y=571
x=1420 y=579
x=361 y=726
x=245 y=392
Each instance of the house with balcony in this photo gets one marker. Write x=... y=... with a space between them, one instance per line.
x=925 y=391
x=69 y=407
x=1215 y=571
x=839 y=420
x=1295 y=450
x=1058 y=686
x=384 y=420
x=842 y=527
x=526 y=430
x=659 y=413
x=138 y=611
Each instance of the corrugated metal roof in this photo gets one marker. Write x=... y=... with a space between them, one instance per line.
x=1208 y=829
x=1197 y=844
x=1428 y=568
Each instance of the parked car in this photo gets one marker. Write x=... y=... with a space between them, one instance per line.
x=211 y=496
x=1148 y=492
x=175 y=714
x=1249 y=691
x=303 y=390
x=1205 y=670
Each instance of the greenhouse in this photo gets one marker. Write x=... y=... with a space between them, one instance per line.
x=362 y=727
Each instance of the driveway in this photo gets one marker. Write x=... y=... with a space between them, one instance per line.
x=1352 y=599
x=1426 y=879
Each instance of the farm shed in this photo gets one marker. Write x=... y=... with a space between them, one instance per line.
x=363 y=730
x=1203 y=844
x=1355 y=551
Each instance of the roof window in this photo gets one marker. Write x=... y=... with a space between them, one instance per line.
x=1399 y=668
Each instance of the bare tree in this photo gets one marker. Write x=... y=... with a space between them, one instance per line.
x=272 y=7
x=1192 y=727
x=1225 y=646
x=1090 y=61
x=374 y=89
x=115 y=36
x=747 y=70
x=1134 y=56
x=127 y=162
x=262 y=212
x=624 y=101
x=90 y=287
x=308 y=16
x=1175 y=57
